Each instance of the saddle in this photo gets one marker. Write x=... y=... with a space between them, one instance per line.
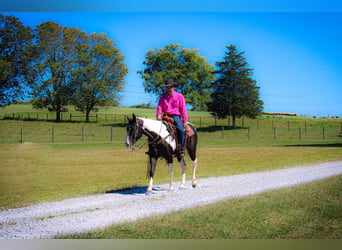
x=169 y=122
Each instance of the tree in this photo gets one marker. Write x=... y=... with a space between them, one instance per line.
x=234 y=92
x=185 y=66
x=15 y=41
x=99 y=72
x=71 y=67
x=51 y=72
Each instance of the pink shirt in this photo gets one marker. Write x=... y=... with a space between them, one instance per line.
x=173 y=105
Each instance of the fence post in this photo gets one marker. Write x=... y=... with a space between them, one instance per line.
x=22 y=135
x=82 y=133
x=249 y=133
x=53 y=134
x=305 y=127
x=111 y=133
x=222 y=135
x=274 y=133
x=323 y=132
x=299 y=133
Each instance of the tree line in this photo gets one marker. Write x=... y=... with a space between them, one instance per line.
x=57 y=66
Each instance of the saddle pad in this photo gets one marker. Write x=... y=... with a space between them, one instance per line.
x=190 y=131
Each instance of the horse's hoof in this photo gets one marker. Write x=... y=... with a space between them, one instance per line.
x=193 y=185
x=148 y=193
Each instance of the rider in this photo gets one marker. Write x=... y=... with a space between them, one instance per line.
x=173 y=104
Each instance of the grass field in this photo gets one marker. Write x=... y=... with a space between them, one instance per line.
x=32 y=173
x=90 y=158
x=75 y=165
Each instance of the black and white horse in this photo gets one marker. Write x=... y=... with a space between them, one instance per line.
x=162 y=144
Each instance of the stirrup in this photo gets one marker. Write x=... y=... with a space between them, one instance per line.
x=181 y=152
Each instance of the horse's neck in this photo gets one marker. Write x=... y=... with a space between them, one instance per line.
x=159 y=128
x=155 y=126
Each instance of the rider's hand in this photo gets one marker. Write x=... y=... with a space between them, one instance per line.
x=159 y=118
x=186 y=126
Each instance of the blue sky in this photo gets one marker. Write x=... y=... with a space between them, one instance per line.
x=296 y=55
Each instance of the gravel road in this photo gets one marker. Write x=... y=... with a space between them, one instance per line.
x=47 y=220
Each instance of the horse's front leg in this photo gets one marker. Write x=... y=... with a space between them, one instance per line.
x=153 y=164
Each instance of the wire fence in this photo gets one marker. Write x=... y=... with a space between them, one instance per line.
x=71 y=117
x=112 y=128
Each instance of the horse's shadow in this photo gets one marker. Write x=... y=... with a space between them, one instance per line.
x=135 y=190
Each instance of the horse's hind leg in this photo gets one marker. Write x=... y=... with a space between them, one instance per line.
x=192 y=145
x=183 y=165
x=169 y=164
x=194 y=166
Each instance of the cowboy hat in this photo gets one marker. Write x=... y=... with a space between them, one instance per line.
x=170 y=83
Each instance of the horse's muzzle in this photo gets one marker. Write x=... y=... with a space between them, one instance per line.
x=128 y=143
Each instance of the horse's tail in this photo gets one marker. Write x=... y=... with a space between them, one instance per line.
x=191 y=142
x=193 y=128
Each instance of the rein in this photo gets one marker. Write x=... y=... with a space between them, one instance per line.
x=140 y=147
x=158 y=139
x=154 y=140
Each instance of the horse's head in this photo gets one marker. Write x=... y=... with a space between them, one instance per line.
x=134 y=131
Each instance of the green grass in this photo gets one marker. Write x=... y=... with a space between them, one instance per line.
x=39 y=170
x=36 y=172
x=281 y=214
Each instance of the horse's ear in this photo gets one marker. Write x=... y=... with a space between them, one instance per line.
x=134 y=118
x=128 y=119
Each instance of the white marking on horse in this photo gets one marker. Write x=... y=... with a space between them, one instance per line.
x=128 y=141
x=159 y=128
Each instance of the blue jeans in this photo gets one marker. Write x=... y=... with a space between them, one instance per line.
x=180 y=129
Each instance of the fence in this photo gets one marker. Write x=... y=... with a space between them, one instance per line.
x=279 y=133
x=61 y=133
x=30 y=116
x=111 y=128
x=62 y=137
x=75 y=133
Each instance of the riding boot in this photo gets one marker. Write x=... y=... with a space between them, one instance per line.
x=180 y=151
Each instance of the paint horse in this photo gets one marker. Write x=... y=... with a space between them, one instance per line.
x=162 y=144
